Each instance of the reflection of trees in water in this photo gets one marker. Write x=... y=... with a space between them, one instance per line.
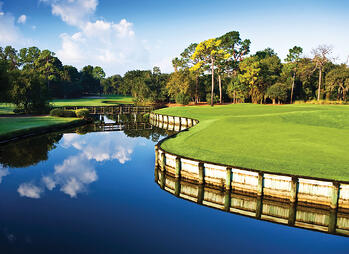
x=29 y=151
x=32 y=150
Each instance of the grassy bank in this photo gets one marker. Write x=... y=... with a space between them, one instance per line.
x=108 y=100
x=12 y=127
x=309 y=140
x=6 y=108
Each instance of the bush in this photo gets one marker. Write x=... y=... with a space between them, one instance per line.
x=82 y=113
x=182 y=98
x=62 y=113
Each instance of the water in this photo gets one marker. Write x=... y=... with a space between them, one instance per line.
x=96 y=193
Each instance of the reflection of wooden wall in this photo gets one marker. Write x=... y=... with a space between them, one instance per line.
x=276 y=186
x=264 y=208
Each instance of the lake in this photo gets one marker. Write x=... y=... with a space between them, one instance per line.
x=93 y=190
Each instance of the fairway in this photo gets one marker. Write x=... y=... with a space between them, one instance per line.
x=307 y=140
x=105 y=100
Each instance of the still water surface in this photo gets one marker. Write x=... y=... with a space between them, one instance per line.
x=95 y=193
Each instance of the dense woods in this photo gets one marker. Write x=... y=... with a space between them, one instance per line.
x=216 y=70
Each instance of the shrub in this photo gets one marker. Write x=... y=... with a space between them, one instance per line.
x=182 y=98
x=62 y=113
x=82 y=113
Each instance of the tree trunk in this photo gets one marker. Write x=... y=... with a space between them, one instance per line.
x=234 y=96
x=212 y=88
x=274 y=101
x=196 y=89
x=319 y=88
x=220 y=88
x=294 y=77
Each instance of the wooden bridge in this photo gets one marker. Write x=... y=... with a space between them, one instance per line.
x=113 y=110
x=104 y=127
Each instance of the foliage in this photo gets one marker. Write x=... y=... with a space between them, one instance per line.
x=182 y=98
x=62 y=113
x=82 y=113
x=278 y=91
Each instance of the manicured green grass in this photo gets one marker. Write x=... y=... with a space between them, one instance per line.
x=308 y=140
x=107 y=100
x=12 y=126
x=6 y=108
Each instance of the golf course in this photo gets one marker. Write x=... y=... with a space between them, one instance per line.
x=307 y=140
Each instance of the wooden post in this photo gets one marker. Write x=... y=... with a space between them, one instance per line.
x=260 y=184
x=156 y=175
x=227 y=200
x=201 y=173
x=178 y=167
x=163 y=161
x=156 y=156
x=294 y=189
x=228 y=178
x=335 y=195
x=201 y=193
x=177 y=187
x=180 y=124
x=163 y=180
x=292 y=214
x=332 y=223
x=259 y=207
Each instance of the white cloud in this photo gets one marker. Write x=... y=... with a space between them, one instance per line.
x=22 y=19
x=29 y=190
x=3 y=172
x=49 y=182
x=73 y=175
x=104 y=149
x=73 y=12
x=9 y=32
x=124 y=28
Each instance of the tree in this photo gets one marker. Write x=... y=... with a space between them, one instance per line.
x=320 y=58
x=4 y=82
x=29 y=92
x=206 y=54
x=250 y=71
x=236 y=90
x=278 y=91
x=338 y=80
x=293 y=57
x=180 y=82
x=9 y=54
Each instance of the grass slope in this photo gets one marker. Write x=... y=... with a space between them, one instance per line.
x=107 y=100
x=6 y=108
x=308 y=140
x=14 y=126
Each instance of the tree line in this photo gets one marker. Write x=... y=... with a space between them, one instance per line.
x=216 y=70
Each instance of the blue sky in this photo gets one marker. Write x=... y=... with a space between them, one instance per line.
x=125 y=34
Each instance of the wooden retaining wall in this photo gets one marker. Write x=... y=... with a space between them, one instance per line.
x=312 y=191
x=292 y=214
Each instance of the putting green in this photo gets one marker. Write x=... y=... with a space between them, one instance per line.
x=308 y=140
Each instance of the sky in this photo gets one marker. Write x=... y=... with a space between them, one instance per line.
x=122 y=35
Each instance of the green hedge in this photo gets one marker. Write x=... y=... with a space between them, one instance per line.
x=82 y=113
x=62 y=113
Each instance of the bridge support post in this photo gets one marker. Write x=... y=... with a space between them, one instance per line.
x=177 y=187
x=227 y=200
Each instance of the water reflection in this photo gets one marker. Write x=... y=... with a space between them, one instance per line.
x=272 y=210
x=85 y=149
x=27 y=152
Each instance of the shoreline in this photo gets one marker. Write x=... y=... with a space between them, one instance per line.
x=34 y=131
